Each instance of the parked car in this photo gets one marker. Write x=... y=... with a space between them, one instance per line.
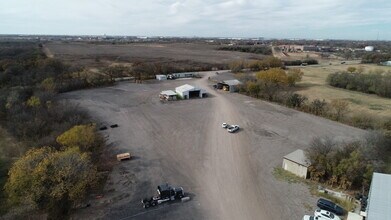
x=233 y=128
x=330 y=206
x=326 y=215
x=310 y=217
x=224 y=125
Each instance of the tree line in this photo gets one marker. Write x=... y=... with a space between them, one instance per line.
x=375 y=57
x=266 y=63
x=373 y=83
x=300 y=62
x=265 y=50
x=349 y=165
x=63 y=147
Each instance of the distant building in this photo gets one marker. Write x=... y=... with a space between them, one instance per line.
x=298 y=48
x=296 y=163
x=310 y=48
x=181 y=75
x=379 y=197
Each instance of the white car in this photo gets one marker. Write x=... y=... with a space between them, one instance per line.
x=325 y=215
x=233 y=128
x=310 y=217
x=224 y=125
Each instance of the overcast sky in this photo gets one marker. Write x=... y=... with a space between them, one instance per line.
x=317 y=19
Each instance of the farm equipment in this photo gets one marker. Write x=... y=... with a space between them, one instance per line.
x=165 y=193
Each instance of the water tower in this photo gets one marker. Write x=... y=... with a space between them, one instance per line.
x=369 y=48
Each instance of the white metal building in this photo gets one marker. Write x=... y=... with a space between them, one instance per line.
x=296 y=163
x=379 y=197
x=188 y=91
x=161 y=77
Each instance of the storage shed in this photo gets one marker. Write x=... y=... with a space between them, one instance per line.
x=379 y=197
x=229 y=85
x=161 y=77
x=296 y=163
x=188 y=91
x=168 y=95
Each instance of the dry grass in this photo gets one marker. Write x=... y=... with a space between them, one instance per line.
x=90 y=54
x=314 y=86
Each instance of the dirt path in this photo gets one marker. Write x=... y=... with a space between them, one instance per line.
x=47 y=52
x=230 y=184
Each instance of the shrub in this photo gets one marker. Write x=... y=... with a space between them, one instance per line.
x=318 y=107
x=295 y=100
x=51 y=180
x=85 y=137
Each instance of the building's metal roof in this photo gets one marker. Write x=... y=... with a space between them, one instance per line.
x=232 y=82
x=168 y=93
x=298 y=156
x=379 y=198
x=185 y=88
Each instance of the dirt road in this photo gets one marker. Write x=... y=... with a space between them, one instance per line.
x=229 y=176
x=228 y=172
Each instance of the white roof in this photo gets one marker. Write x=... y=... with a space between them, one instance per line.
x=298 y=156
x=185 y=88
x=160 y=75
x=379 y=198
x=168 y=92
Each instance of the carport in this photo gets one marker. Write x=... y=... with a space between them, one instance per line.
x=229 y=85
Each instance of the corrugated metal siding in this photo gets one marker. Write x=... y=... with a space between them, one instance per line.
x=379 y=201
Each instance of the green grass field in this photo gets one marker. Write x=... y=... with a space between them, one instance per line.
x=314 y=86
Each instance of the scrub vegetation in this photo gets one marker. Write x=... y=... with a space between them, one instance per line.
x=49 y=148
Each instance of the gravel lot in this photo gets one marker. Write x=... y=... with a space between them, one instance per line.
x=229 y=176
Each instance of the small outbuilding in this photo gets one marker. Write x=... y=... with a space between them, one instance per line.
x=188 y=91
x=296 y=163
x=161 y=77
x=168 y=95
x=229 y=85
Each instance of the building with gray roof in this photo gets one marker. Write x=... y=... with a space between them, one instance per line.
x=296 y=163
x=379 y=197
